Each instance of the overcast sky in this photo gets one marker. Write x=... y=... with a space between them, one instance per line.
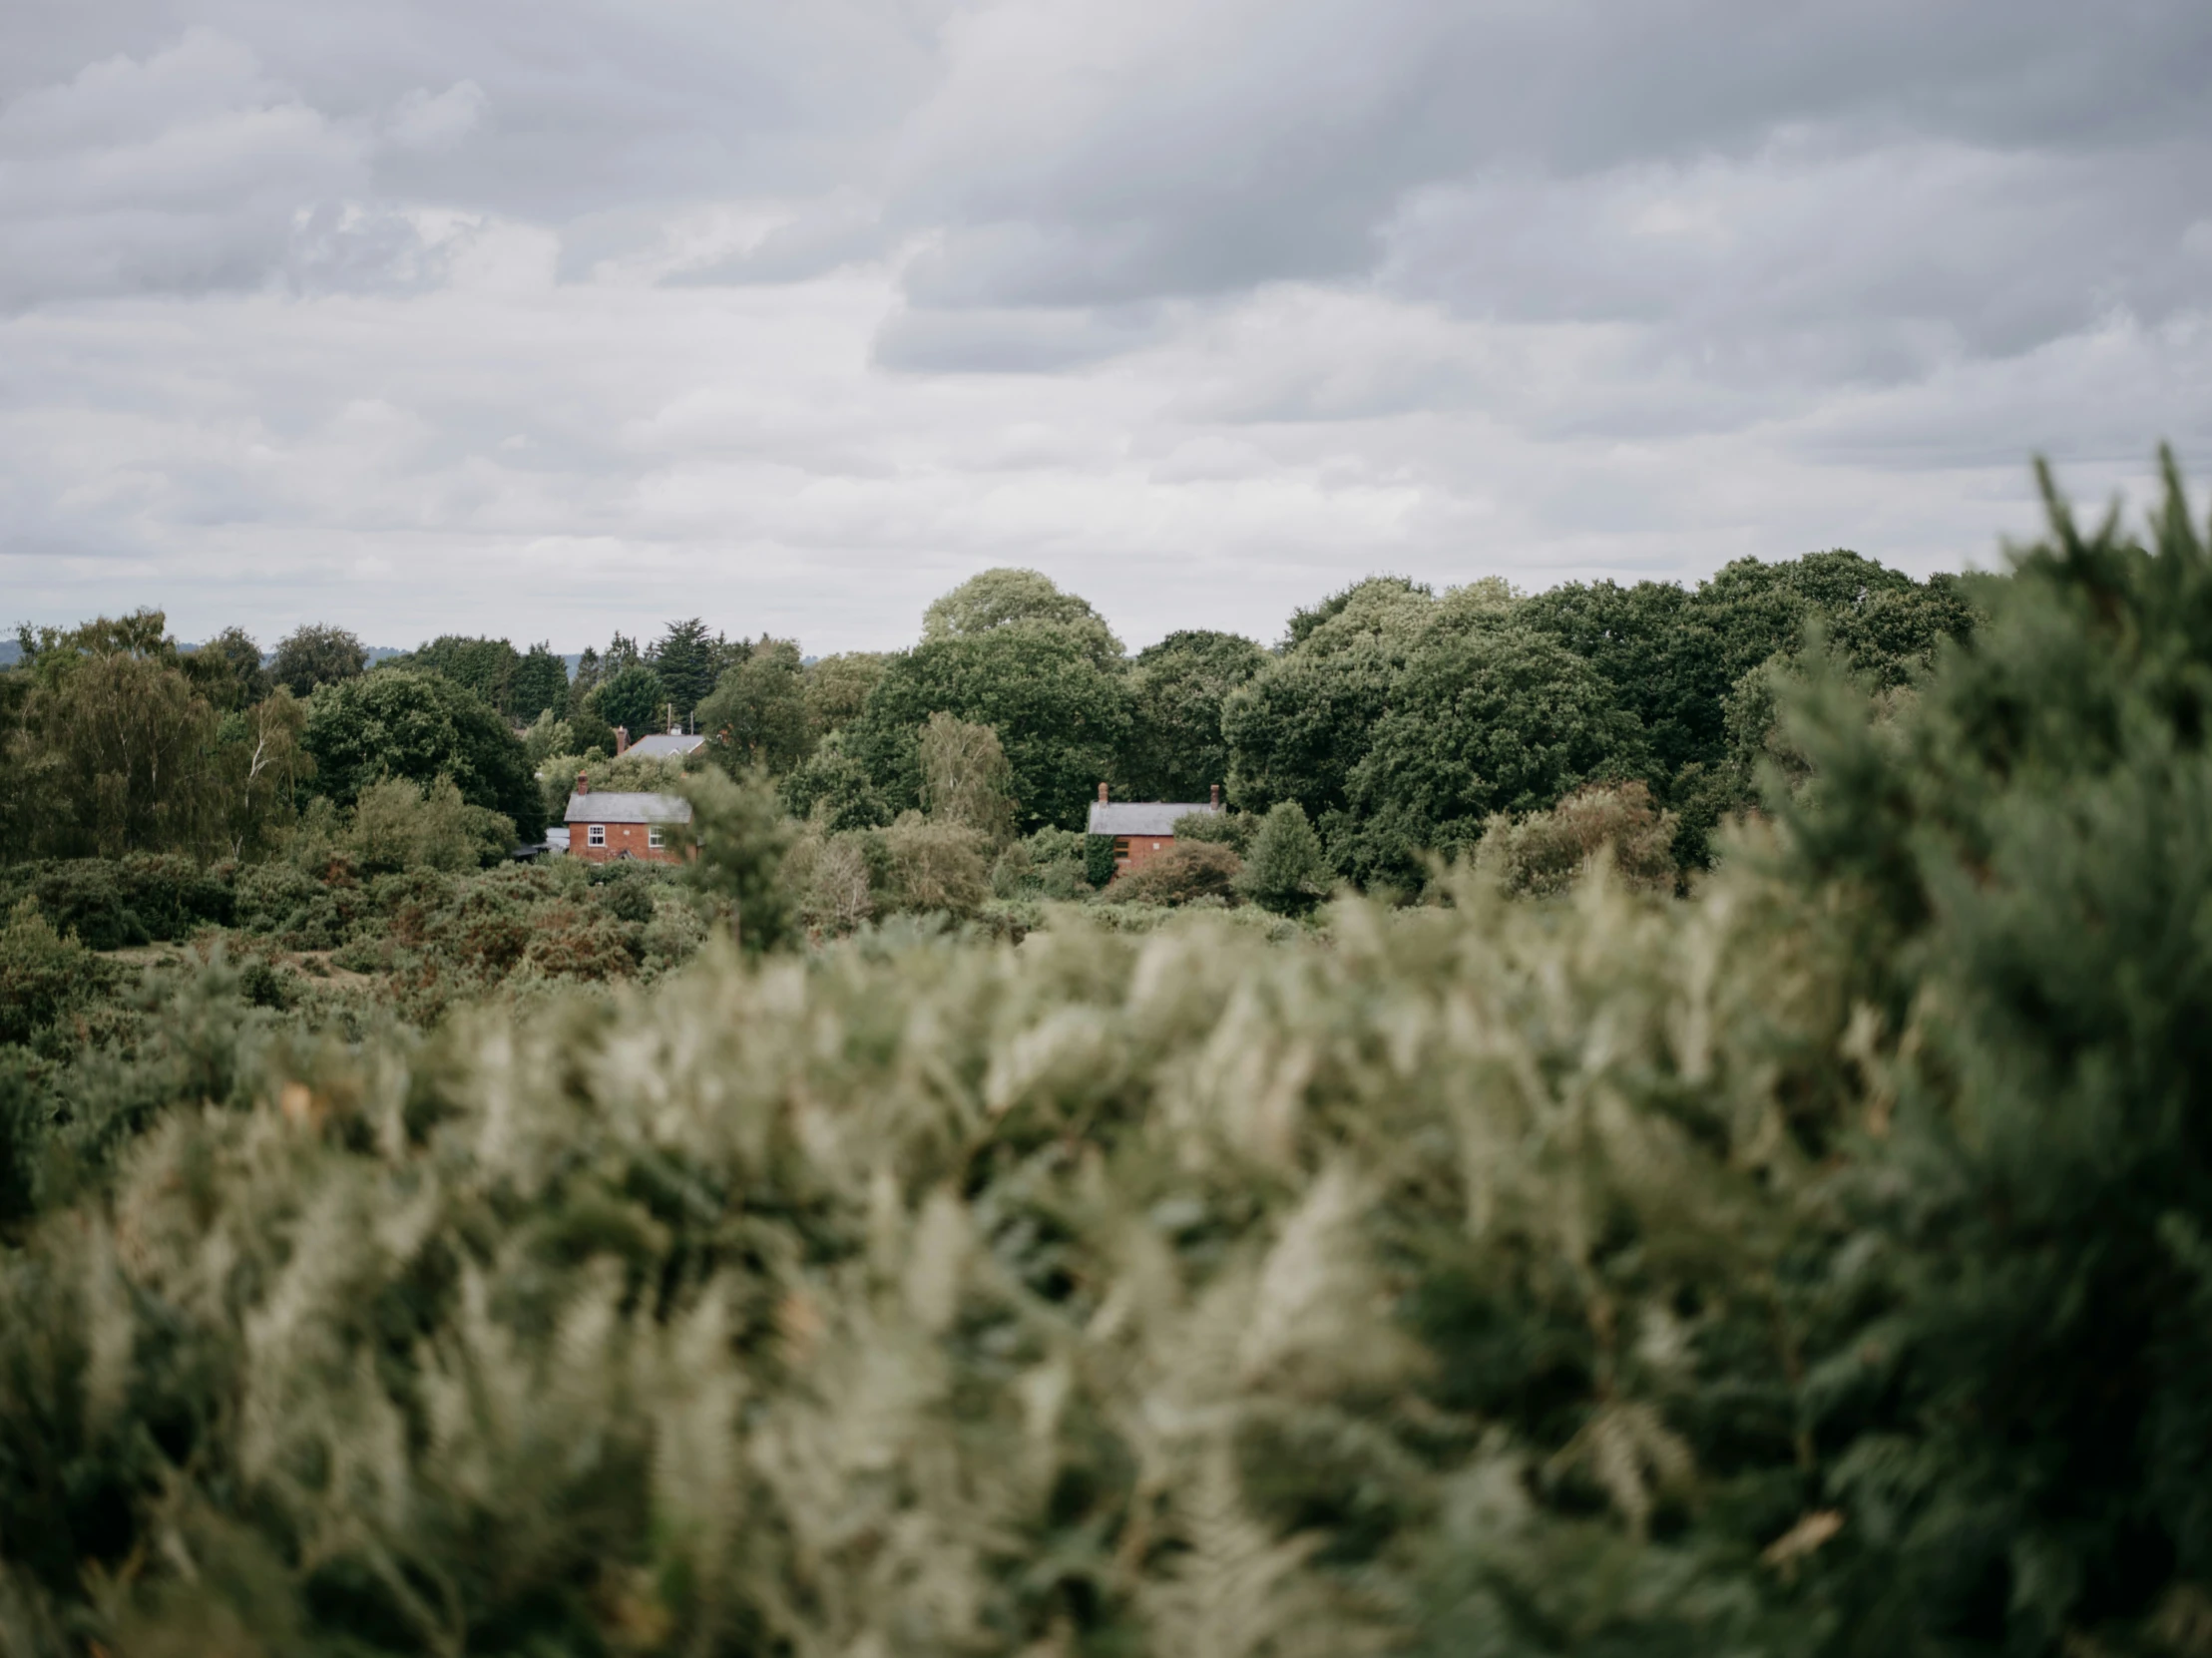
x=545 y=317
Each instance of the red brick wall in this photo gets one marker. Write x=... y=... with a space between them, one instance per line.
x=1142 y=850
x=620 y=838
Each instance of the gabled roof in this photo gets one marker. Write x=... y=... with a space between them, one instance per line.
x=612 y=807
x=1155 y=817
x=664 y=744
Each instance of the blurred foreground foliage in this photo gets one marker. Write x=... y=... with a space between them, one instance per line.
x=1815 y=1265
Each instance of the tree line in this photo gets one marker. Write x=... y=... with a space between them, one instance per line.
x=1397 y=719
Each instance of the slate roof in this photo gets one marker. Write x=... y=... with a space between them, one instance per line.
x=1157 y=817
x=663 y=745
x=611 y=806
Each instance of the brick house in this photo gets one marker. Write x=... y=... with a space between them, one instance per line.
x=1143 y=830
x=610 y=825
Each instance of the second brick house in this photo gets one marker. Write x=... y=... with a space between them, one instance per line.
x=610 y=826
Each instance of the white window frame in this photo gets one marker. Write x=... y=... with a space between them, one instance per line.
x=654 y=836
x=596 y=835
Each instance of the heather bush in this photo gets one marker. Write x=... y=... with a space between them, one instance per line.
x=43 y=973
x=114 y=903
x=1180 y=873
x=1544 y=853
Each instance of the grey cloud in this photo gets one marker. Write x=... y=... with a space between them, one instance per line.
x=2002 y=249
x=183 y=171
x=1068 y=160
x=1025 y=340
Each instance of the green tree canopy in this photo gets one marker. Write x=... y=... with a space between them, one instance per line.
x=633 y=697
x=117 y=745
x=1018 y=598
x=541 y=684
x=2025 y=851
x=1300 y=728
x=690 y=660
x=1499 y=720
x=1176 y=749
x=835 y=786
x=316 y=654
x=756 y=716
x=837 y=688
x=483 y=666
x=407 y=724
x=1060 y=715
x=228 y=671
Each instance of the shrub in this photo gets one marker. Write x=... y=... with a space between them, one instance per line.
x=399 y=824
x=833 y=789
x=743 y=836
x=831 y=877
x=1545 y=852
x=1233 y=830
x=1050 y=864
x=628 y=899
x=87 y=897
x=1178 y=874
x=569 y=942
x=673 y=933
x=269 y=894
x=1286 y=871
x=42 y=973
x=935 y=867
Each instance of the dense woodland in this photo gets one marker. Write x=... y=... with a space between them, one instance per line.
x=1664 y=1120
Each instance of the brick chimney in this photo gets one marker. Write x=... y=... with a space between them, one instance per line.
x=1218 y=797
x=1101 y=795
x=583 y=783
x=621 y=741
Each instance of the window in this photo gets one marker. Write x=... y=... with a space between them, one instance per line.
x=1120 y=846
x=597 y=834
x=652 y=836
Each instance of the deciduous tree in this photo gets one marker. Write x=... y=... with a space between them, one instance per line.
x=421 y=726
x=1060 y=715
x=316 y=654
x=1176 y=749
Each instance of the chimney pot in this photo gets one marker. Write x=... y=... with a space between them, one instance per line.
x=583 y=783
x=1218 y=797
x=1101 y=795
x=621 y=741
